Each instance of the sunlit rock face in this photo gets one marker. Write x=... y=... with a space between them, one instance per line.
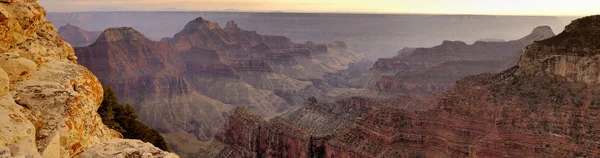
x=48 y=102
x=530 y=110
x=430 y=70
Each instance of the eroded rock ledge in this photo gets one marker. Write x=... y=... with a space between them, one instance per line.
x=48 y=102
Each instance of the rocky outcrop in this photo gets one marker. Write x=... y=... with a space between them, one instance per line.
x=526 y=111
x=76 y=36
x=208 y=34
x=420 y=61
x=573 y=54
x=48 y=102
x=299 y=61
x=302 y=133
x=174 y=91
x=125 y=148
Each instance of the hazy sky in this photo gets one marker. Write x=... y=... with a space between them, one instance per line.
x=497 y=7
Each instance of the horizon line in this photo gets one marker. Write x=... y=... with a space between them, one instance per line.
x=303 y=12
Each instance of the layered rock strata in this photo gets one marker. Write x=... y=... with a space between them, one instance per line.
x=456 y=57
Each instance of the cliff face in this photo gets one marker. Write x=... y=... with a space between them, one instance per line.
x=48 y=102
x=572 y=54
x=529 y=110
x=77 y=36
x=455 y=59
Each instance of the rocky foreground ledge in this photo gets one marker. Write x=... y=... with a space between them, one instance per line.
x=48 y=102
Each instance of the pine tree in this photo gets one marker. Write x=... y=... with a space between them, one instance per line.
x=124 y=119
x=107 y=109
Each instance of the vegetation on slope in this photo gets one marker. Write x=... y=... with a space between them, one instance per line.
x=124 y=119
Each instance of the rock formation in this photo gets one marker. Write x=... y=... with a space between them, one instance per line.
x=299 y=61
x=546 y=106
x=300 y=133
x=155 y=77
x=48 y=102
x=192 y=82
x=398 y=74
x=76 y=36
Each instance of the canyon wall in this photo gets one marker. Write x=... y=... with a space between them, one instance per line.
x=435 y=69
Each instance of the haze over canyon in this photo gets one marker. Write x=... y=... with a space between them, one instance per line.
x=257 y=84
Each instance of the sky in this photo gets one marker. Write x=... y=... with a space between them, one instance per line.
x=486 y=7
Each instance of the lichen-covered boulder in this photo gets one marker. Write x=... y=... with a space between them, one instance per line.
x=17 y=132
x=123 y=148
x=25 y=31
x=64 y=98
x=16 y=67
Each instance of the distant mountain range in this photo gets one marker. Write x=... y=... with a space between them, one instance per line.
x=380 y=35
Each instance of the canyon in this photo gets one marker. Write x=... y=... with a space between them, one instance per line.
x=217 y=91
x=191 y=82
x=544 y=106
x=222 y=92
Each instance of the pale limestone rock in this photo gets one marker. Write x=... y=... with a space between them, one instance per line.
x=64 y=98
x=26 y=32
x=4 y=83
x=5 y=152
x=53 y=148
x=18 y=133
x=46 y=46
x=16 y=67
x=122 y=148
